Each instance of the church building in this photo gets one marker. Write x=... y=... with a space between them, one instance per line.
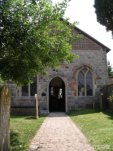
x=70 y=87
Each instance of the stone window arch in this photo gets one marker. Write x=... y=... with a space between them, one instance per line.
x=85 y=82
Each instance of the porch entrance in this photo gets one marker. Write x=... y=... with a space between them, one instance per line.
x=57 y=95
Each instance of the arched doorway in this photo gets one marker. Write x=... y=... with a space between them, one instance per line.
x=57 y=95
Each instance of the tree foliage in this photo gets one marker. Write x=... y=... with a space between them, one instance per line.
x=33 y=37
x=110 y=70
x=104 y=11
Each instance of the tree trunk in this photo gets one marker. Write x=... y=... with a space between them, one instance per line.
x=5 y=101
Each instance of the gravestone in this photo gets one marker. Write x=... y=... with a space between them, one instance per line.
x=5 y=100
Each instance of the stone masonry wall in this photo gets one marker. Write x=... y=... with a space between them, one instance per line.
x=96 y=59
x=91 y=54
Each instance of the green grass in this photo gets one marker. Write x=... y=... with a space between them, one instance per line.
x=97 y=127
x=23 y=130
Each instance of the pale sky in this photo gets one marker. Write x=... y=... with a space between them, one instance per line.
x=84 y=12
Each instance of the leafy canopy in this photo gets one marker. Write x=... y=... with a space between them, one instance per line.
x=104 y=12
x=110 y=69
x=33 y=37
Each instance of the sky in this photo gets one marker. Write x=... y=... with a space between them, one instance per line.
x=83 y=11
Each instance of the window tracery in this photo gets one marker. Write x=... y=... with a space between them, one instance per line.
x=85 y=82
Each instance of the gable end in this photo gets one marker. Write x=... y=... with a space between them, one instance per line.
x=88 y=42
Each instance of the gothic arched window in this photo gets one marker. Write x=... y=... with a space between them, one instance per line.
x=85 y=82
x=89 y=84
x=81 y=82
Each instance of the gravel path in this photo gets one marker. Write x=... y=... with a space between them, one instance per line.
x=59 y=133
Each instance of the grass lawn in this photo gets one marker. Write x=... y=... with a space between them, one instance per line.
x=23 y=129
x=97 y=127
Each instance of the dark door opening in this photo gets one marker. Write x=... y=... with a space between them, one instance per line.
x=57 y=95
